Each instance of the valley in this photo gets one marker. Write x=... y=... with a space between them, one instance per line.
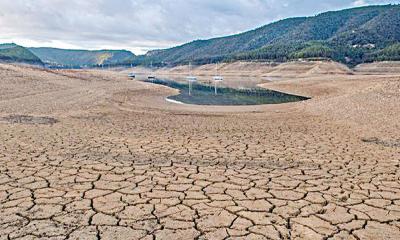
x=160 y=120
x=91 y=154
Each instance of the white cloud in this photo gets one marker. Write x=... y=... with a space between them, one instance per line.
x=359 y=3
x=140 y=25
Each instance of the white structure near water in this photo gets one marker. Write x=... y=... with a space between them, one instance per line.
x=217 y=78
x=191 y=79
x=151 y=75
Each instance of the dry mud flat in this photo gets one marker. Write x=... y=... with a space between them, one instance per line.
x=91 y=155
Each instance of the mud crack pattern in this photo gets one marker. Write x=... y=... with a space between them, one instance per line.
x=69 y=183
x=126 y=171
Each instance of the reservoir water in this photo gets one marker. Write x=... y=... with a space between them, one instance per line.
x=204 y=94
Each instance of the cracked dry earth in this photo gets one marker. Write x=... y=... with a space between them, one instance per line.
x=118 y=162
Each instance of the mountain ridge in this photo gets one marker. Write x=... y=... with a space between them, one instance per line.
x=79 y=58
x=11 y=52
x=350 y=35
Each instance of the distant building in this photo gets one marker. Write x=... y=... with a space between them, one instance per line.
x=368 y=46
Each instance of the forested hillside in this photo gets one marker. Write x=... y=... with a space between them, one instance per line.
x=350 y=36
x=11 y=52
x=80 y=58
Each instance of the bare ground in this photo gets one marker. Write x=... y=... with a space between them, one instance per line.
x=92 y=155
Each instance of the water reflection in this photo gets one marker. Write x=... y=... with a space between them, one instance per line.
x=206 y=94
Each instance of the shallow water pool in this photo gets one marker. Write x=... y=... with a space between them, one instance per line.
x=204 y=94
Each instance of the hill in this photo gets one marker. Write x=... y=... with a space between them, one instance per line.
x=11 y=52
x=260 y=69
x=80 y=58
x=349 y=36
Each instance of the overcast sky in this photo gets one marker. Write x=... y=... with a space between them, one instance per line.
x=141 y=25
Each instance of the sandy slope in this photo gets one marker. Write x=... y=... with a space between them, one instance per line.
x=290 y=69
x=379 y=67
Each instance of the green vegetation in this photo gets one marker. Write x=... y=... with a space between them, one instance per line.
x=314 y=50
x=14 y=53
x=350 y=36
x=391 y=53
x=7 y=45
x=81 y=58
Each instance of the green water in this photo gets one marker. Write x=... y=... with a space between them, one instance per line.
x=202 y=94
